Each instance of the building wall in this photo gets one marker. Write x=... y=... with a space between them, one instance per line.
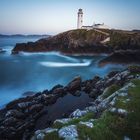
x=80 y=19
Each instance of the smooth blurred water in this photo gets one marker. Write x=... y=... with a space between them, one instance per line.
x=39 y=71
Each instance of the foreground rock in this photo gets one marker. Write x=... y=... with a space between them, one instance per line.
x=18 y=118
x=113 y=115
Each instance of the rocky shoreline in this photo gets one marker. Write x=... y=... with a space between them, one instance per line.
x=18 y=118
x=120 y=47
x=122 y=57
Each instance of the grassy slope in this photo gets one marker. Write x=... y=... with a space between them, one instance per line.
x=111 y=126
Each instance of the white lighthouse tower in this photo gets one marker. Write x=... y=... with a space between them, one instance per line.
x=80 y=19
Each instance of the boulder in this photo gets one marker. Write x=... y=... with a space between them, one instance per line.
x=59 y=91
x=77 y=93
x=88 y=124
x=78 y=113
x=87 y=86
x=63 y=121
x=94 y=93
x=112 y=73
x=75 y=84
x=15 y=113
x=24 y=105
x=40 y=136
x=35 y=108
x=68 y=132
x=10 y=121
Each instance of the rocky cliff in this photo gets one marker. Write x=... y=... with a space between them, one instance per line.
x=75 y=41
x=84 y=41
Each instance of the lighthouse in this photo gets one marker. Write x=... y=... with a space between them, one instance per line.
x=80 y=19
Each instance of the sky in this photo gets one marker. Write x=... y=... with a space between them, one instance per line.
x=55 y=16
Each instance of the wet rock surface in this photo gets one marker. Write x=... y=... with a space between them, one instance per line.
x=18 y=118
x=122 y=57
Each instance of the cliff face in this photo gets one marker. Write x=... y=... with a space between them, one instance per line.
x=84 y=41
x=75 y=41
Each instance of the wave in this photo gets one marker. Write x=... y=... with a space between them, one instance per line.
x=61 y=64
x=50 y=54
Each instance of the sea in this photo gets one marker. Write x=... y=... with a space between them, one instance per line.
x=33 y=72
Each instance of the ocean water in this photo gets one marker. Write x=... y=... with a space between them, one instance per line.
x=39 y=71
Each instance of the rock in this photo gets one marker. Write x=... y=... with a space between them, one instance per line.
x=59 y=91
x=73 y=41
x=113 y=110
x=123 y=94
x=40 y=136
x=112 y=73
x=134 y=69
x=122 y=57
x=88 y=124
x=78 y=113
x=100 y=85
x=63 y=121
x=56 y=87
x=24 y=105
x=49 y=130
x=94 y=93
x=77 y=93
x=68 y=132
x=122 y=112
x=74 y=84
x=38 y=132
x=36 y=108
x=52 y=100
x=87 y=86
x=10 y=121
x=127 y=138
x=45 y=92
x=14 y=113
x=92 y=109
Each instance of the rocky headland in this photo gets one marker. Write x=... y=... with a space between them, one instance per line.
x=114 y=106
x=81 y=41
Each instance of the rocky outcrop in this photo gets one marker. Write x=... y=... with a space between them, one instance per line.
x=75 y=41
x=84 y=41
x=122 y=57
x=18 y=118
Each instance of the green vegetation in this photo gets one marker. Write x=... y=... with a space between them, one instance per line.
x=88 y=116
x=124 y=40
x=133 y=120
x=52 y=136
x=111 y=90
x=134 y=69
x=110 y=126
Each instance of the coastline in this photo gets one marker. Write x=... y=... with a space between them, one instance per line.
x=33 y=106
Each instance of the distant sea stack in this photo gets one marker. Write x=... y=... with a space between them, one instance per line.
x=82 y=41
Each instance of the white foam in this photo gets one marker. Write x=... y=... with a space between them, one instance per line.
x=49 y=54
x=61 y=64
